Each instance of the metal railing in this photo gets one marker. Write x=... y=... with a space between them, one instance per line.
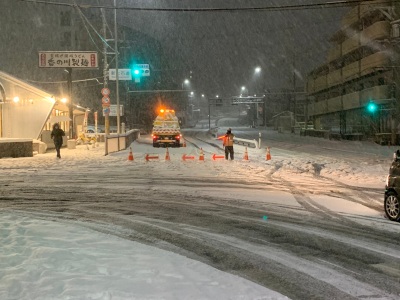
x=246 y=142
x=116 y=142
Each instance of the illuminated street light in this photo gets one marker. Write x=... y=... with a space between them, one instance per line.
x=185 y=82
x=16 y=99
x=202 y=95
x=243 y=88
x=64 y=100
x=192 y=93
x=257 y=70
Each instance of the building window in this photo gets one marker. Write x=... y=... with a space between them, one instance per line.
x=65 y=18
x=65 y=39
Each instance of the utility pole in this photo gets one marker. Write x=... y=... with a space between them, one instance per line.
x=116 y=66
x=294 y=89
x=105 y=70
x=70 y=106
x=209 y=114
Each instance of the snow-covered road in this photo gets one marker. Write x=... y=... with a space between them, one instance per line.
x=308 y=224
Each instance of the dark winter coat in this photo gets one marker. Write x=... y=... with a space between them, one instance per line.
x=57 y=136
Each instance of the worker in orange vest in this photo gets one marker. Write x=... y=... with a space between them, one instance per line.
x=228 y=144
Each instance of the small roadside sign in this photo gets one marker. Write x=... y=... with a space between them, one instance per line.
x=105 y=101
x=123 y=74
x=143 y=68
x=105 y=91
x=106 y=111
x=113 y=110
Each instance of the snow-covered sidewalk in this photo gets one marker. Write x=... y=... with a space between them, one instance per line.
x=45 y=260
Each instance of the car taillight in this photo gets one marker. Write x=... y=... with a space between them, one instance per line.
x=178 y=137
x=154 y=137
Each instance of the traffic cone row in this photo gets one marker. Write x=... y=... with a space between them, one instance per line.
x=130 y=156
x=201 y=156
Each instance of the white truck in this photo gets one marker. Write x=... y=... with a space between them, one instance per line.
x=166 y=130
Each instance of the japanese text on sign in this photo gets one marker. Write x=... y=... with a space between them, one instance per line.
x=123 y=74
x=70 y=59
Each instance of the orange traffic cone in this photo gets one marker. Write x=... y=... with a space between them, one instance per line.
x=201 y=157
x=130 y=156
x=246 y=155
x=167 y=157
x=268 y=156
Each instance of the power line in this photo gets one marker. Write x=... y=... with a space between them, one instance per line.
x=64 y=81
x=84 y=21
x=330 y=4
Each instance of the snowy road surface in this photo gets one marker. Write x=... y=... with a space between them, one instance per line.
x=308 y=224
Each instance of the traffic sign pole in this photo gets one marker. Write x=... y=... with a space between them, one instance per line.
x=105 y=101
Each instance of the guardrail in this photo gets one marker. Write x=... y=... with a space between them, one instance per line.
x=214 y=131
x=246 y=142
x=236 y=140
x=116 y=142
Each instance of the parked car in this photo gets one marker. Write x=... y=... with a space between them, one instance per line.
x=392 y=190
x=91 y=129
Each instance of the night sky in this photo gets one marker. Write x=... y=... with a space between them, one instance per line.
x=223 y=48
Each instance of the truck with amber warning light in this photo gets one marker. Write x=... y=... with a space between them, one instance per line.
x=166 y=130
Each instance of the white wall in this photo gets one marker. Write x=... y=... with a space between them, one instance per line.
x=24 y=119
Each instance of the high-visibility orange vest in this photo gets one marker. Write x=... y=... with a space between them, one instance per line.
x=228 y=139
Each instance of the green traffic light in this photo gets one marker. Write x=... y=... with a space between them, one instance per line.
x=372 y=107
x=136 y=72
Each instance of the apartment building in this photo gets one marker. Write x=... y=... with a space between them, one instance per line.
x=362 y=67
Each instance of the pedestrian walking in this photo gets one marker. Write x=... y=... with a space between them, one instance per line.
x=228 y=144
x=57 y=136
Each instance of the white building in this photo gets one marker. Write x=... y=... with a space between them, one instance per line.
x=27 y=112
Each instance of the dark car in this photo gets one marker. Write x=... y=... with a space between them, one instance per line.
x=392 y=191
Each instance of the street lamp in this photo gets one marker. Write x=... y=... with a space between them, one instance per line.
x=244 y=91
x=185 y=82
x=257 y=70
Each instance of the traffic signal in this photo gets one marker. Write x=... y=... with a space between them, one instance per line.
x=372 y=107
x=136 y=72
